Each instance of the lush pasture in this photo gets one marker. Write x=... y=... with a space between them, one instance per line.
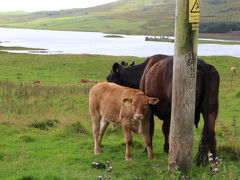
x=45 y=129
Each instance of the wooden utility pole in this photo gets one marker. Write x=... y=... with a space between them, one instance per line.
x=184 y=85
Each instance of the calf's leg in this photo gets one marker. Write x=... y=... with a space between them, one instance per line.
x=96 y=128
x=103 y=126
x=128 y=141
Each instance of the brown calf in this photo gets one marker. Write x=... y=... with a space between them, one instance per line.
x=109 y=102
x=36 y=81
x=86 y=81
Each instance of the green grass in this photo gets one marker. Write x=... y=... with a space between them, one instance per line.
x=113 y=36
x=18 y=48
x=218 y=42
x=107 y=25
x=14 y=13
x=45 y=129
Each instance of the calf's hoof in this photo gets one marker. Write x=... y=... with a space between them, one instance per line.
x=97 y=153
x=128 y=158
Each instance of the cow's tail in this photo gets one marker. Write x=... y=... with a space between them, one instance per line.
x=202 y=155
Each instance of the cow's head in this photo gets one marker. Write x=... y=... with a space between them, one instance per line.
x=139 y=104
x=114 y=75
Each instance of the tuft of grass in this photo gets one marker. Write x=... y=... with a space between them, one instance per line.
x=39 y=125
x=28 y=178
x=230 y=150
x=44 y=125
x=27 y=138
x=238 y=94
x=77 y=127
x=1 y=156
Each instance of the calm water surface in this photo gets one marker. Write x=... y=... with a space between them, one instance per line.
x=59 y=42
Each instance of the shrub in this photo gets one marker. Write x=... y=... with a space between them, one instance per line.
x=44 y=125
x=77 y=127
x=39 y=125
x=238 y=94
x=1 y=156
x=27 y=138
x=219 y=27
x=28 y=178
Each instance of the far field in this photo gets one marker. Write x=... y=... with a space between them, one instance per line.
x=145 y=17
x=45 y=129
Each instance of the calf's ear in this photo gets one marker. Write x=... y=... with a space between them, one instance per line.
x=153 y=101
x=127 y=102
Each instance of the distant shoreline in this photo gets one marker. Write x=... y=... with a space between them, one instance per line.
x=200 y=41
x=234 y=35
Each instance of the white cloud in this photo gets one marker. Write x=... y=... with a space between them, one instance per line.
x=47 y=5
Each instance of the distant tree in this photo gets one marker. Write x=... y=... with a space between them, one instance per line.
x=219 y=27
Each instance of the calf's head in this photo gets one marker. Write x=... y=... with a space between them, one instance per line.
x=139 y=104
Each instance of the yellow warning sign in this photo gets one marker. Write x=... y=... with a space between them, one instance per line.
x=194 y=11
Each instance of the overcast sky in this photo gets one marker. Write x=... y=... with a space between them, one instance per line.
x=47 y=5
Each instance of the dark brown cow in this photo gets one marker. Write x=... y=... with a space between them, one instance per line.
x=156 y=81
x=109 y=102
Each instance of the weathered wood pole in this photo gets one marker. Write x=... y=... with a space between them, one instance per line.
x=184 y=90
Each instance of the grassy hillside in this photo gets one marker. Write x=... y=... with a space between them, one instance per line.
x=149 y=17
x=45 y=129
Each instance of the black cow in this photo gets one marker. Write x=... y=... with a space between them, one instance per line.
x=129 y=76
x=154 y=77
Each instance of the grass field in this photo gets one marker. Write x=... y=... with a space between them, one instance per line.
x=45 y=129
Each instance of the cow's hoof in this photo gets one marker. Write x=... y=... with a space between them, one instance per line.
x=145 y=150
x=152 y=157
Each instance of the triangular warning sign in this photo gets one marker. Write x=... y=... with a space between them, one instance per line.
x=196 y=7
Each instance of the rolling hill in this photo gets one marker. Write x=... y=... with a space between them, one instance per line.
x=147 y=17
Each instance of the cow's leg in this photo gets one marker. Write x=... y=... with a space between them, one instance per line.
x=151 y=128
x=103 y=126
x=151 y=131
x=147 y=138
x=96 y=128
x=128 y=141
x=212 y=139
x=166 y=130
